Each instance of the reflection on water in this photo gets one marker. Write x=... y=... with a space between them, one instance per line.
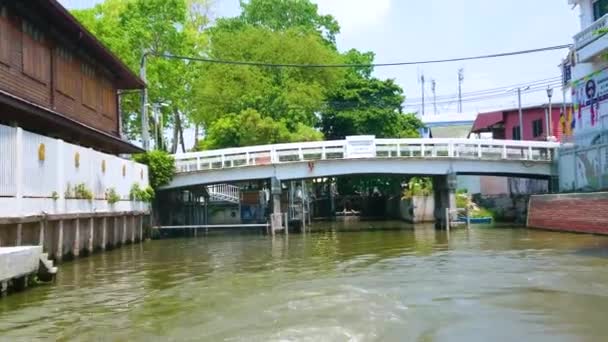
x=359 y=281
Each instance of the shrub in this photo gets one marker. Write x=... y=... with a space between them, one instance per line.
x=418 y=186
x=161 y=167
x=141 y=195
x=112 y=196
x=80 y=191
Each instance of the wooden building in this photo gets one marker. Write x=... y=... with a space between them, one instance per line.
x=57 y=79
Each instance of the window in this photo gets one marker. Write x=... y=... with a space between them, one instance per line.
x=515 y=132
x=36 y=56
x=66 y=76
x=107 y=99
x=5 y=45
x=537 y=128
x=600 y=8
x=89 y=86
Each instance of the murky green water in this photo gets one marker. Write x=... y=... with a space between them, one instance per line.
x=395 y=284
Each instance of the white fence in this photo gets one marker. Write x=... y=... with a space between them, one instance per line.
x=532 y=151
x=224 y=193
x=33 y=166
x=590 y=33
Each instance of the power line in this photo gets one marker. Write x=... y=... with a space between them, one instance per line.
x=491 y=96
x=500 y=89
x=295 y=65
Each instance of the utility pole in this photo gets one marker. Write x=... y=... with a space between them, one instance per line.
x=422 y=81
x=145 y=132
x=434 y=87
x=550 y=117
x=460 y=79
x=521 y=115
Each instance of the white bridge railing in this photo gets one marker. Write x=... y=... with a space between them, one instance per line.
x=482 y=149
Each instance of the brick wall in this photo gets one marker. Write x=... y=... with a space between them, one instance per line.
x=584 y=213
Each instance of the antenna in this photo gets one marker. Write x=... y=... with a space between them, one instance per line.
x=434 y=88
x=422 y=82
x=460 y=79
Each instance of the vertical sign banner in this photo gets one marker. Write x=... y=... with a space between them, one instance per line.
x=589 y=97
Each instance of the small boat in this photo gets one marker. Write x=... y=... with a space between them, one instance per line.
x=476 y=220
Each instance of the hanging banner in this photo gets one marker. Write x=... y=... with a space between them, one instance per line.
x=589 y=96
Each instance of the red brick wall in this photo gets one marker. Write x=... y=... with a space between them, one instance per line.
x=584 y=213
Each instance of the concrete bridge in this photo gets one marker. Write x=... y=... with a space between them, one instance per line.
x=366 y=155
x=442 y=159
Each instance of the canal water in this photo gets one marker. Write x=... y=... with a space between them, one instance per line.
x=361 y=281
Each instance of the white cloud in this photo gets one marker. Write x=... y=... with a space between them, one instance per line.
x=356 y=15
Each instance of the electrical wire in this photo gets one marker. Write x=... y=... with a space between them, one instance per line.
x=372 y=65
x=501 y=89
x=486 y=97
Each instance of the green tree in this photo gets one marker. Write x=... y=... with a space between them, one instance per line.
x=362 y=104
x=292 y=96
x=249 y=128
x=281 y=15
x=175 y=27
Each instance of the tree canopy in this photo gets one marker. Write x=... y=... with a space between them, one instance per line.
x=242 y=105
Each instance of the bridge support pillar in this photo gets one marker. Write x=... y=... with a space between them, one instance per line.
x=445 y=198
x=276 y=217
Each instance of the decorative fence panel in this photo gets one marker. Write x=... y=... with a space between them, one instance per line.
x=40 y=158
x=8 y=163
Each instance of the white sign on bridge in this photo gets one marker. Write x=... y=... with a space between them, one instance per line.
x=362 y=146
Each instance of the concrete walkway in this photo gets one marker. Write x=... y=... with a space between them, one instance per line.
x=17 y=264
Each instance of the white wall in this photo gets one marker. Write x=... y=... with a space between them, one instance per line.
x=29 y=179
x=586 y=13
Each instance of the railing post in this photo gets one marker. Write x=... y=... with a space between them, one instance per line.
x=323 y=153
x=398 y=150
x=422 y=150
x=530 y=153
x=504 y=151
x=198 y=163
x=300 y=154
x=247 y=156
x=479 y=153
x=223 y=159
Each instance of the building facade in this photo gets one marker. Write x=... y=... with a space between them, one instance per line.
x=57 y=79
x=63 y=184
x=584 y=160
x=504 y=124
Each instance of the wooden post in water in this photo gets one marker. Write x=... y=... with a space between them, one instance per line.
x=447 y=219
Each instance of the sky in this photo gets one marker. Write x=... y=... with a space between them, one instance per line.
x=413 y=30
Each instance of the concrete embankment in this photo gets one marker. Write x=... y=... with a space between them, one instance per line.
x=73 y=235
x=579 y=212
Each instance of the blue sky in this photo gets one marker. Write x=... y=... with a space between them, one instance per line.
x=406 y=30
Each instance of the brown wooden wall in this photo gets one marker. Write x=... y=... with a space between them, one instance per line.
x=35 y=67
